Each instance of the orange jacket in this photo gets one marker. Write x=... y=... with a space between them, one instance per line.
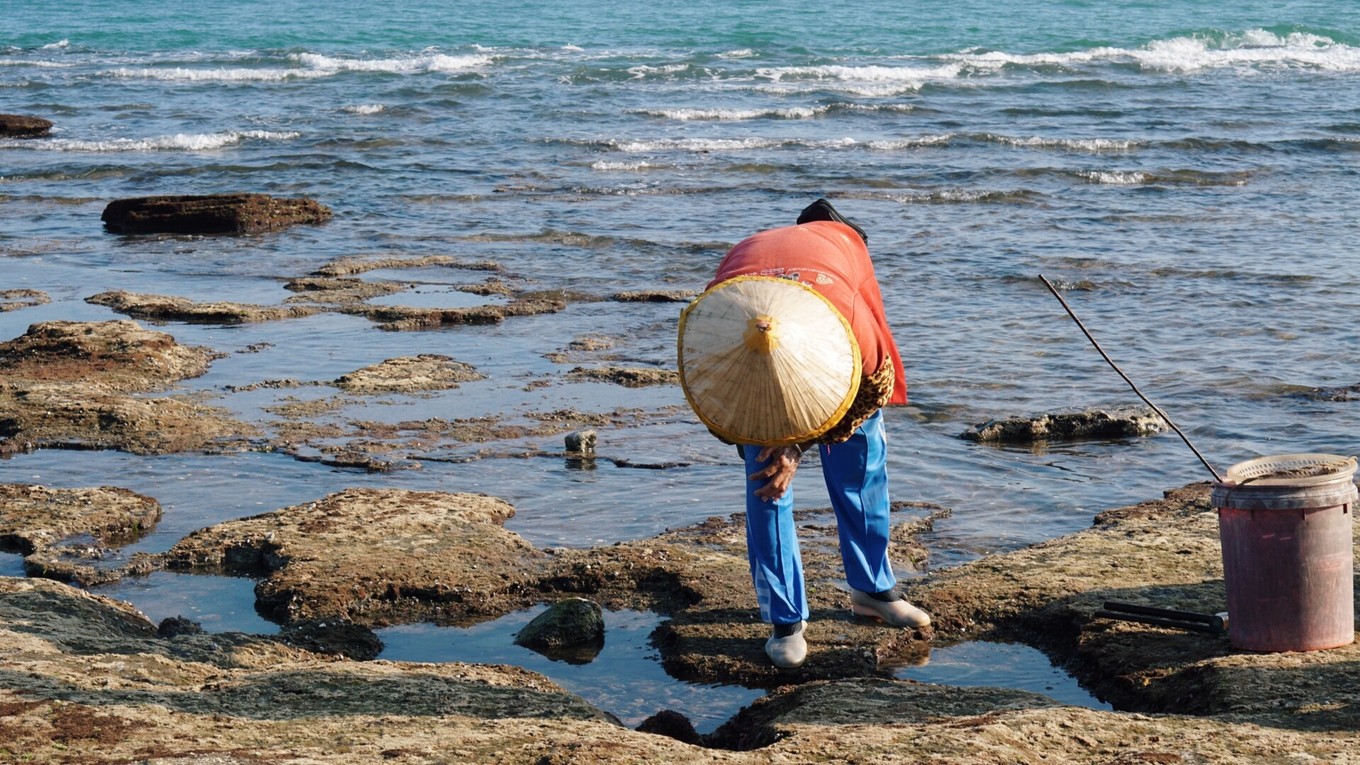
x=832 y=259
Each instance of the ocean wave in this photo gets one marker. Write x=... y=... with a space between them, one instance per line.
x=967 y=196
x=874 y=80
x=235 y=74
x=687 y=114
x=1094 y=145
x=177 y=142
x=1164 y=178
x=363 y=109
x=622 y=166
x=723 y=144
x=431 y=62
x=1254 y=48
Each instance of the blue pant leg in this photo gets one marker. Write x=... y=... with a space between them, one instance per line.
x=857 y=480
x=772 y=548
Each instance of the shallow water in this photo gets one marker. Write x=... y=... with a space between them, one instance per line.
x=1184 y=171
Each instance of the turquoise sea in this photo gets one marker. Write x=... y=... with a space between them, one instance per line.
x=1187 y=172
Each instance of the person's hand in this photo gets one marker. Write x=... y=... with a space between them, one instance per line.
x=779 y=473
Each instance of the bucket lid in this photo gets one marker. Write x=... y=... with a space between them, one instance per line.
x=1292 y=470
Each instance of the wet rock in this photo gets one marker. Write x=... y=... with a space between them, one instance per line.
x=656 y=296
x=567 y=624
x=627 y=377
x=23 y=126
x=13 y=300
x=175 y=626
x=84 y=672
x=36 y=517
x=1164 y=554
x=210 y=214
x=407 y=374
x=374 y=557
x=1094 y=423
x=334 y=636
x=672 y=724
x=339 y=290
x=406 y=318
x=167 y=308
x=348 y=266
x=118 y=355
x=68 y=385
x=1341 y=393
x=857 y=702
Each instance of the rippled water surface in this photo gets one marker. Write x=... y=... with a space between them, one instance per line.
x=1185 y=172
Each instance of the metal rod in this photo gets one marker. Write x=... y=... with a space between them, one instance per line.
x=1214 y=628
x=1116 y=368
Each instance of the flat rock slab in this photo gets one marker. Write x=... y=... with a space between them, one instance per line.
x=23 y=126
x=1164 y=554
x=170 y=308
x=1095 y=423
x=69 y=384
x=408 y=374
x=118 y=355
x=36 y=517
x=211 y=214
x=374 y=557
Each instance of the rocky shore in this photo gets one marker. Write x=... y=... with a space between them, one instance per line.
x=89 y=679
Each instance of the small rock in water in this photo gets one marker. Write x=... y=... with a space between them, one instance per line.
x=1093 y=423
x=23 y=126
x=569 y=626
x=581 y=441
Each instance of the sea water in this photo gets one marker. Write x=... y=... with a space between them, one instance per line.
x=1186 y=172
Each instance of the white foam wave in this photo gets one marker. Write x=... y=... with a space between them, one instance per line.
x=177 y=142
x=1115 y=178
x=901 y=144
x=573 y=48
x=35 y=64
x=57 y=44
x=621 y=166
x=363 y=108
x=433 y=62
x=239 y=74
x=1254 y=48
x=738 y=53
x=683 y=114
x=727 y=144
x=874 y=81
x=1070 y=144
x=644 y=70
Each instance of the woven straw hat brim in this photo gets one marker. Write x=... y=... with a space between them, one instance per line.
x=767 y=361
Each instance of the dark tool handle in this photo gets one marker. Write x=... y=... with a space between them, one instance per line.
x=1133 y=608
x=1215 y=627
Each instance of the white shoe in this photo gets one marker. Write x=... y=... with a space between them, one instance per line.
x=789 y=651
x=895 y=612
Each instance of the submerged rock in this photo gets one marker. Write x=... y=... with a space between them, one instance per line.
x=210 y=214
x=1093 y=423
x=13 y=300
x=425 y=372
x=628 y=377
x=23 y=126
x=567 y=624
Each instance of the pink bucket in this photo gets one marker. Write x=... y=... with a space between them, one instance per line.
x=1285 y=525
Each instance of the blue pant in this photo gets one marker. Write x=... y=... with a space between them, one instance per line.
x=857 y=480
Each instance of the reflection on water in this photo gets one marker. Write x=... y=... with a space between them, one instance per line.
x=11 y=564
x=218 y=603
x=1001 y=665
x=626 y=679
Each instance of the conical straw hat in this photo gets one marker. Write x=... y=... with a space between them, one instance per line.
x=767 y=361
